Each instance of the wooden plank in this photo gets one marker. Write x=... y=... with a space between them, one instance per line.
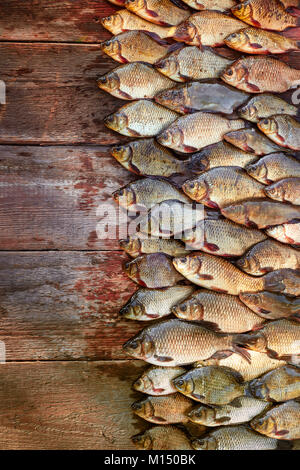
x=49 y=197
x=64 y=305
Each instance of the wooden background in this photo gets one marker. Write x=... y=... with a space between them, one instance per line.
x=66 y=383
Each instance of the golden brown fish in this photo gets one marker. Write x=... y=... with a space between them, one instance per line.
x=157 y=380
x=147 y=158
x=258 y=74
x=162 y=12
x=153 y=271
x=169 y=409
x=150 y=304
x=195 y=131
x=282 y=129
x=281 y=384
x=162 y=438
x=286 y=233
x=250 y=140
x=286 y=190
x=138 y=245
x=269 y=255
x=286 y=281
x=206 y=28
x=226 y=312
x=274 y=167
x=271 y=305
x=191 y=63
x=140 y=118
x=265 y=105
x=281 y=422
x=261 y=214
x=258 y=41
x=266 y=14
x=210 y=4
x=222 y=186
x=120 y=3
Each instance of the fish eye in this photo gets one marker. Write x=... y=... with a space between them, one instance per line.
x=233 y=35
x=107 y=43
x=121 y=192
x=266 y=121
x=229 y=72
x=180 y=382
x=192 y=185
x=118 y=149
x=183 y=308
x=108 y=18
x=134 y=344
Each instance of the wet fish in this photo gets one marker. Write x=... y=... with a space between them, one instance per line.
x=196 y=96
x=169 y=409
x=286 y=281
x=225 y=312
x=195 y=131
x=138 y=245
x=222 y=186
x=177 y=342
x=266 y=14
x=120 y=3
x=286 y=190
x=162 y=12
x=258 y=41
x=150 y=304
x=153 y=271
x=191 y=63
x=265 y=105
x=274 y=167
x=281 y=384
x=271 y=305
x=286 y=233
x=157 y=380
x=134 y=81
x=210 y=4
x=147 y=158
x=281 y=422
x=250 y=140
x=258 y=74
x=206 y=28
x=220 y=154
x=282 y=129
x=234 y=438
x=261 y=214
x=269 y=255
x=140 y=118
x=240 y=410
x=162 y=438
x=221 y=237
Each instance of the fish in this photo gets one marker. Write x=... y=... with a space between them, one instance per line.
x=265 y=14
x=282 y=129
x=135 y=246
x=221 y=237
x=265 y=105
x=162 y=12
x=286 y=190
x=240 y=410
x=146 y=157
x=176 y=342
x=210 y=4
x=191 y=63
x=271 y=305
x=260 y=74
x=261 y=214
x=169 y=409
x=225 y=312
x=285 y=280
x=125 y=20
x=220 y=154
x=150 y=304
x=134 y=81
x=274 y=167
x=268 y=255
x=194 y=131
x=280 y=422
x=290 y=3
x=250 y=140
x=134 y=46
x=146 y=192
x=206 y=28
x=153 y=271
x=286 y=233
x=281 y=384
x=120 y=3
x=141 y=118
x=157 y=380
x=197 y=96
x=223 y=186
x=259 y=41
x=234 y=438
x=162 y=438
x=280 y=339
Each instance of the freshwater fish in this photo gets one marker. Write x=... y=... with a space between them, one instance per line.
x=265 y=105
x=274 y=167
x=162 y=438
x=210 y=4
x=271 y=305
x=157 y=380
x=282 y=129
x=162 y=12
x=259 y=41
x=281 y=384
x=286 y=190
x=286 y=233
x=250 y=140
x=120 y=3
x=285 y=280
x=138 y=245
x=169 y=409
x=281 y=422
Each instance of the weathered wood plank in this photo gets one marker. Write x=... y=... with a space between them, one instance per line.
x=64 y=305
x=49 y=196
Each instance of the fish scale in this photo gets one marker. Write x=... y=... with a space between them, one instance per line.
x=162 y=12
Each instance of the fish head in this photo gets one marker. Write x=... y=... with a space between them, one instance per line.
x=238 y=139
x=131 y=245
x=122 y=153
x=257 y=170
x=259 y=389
x=243 y=11
x=234 y=74
x=207 y=443
x=143 y=408
x=252 y=299
x=184 y=384
x=172 y=98
x=116 y=121
x=188 y=310
x=201 y=415
x=125 y=197
x=248 y=112
x=252 y=341
x=199 y=162
x=133 y=310
x=236 y=213
x=143 y=384
x=111 y=47
x=135 y=5
x=142 y=441
x=109 y=82
x=169 y=67
x=186 y=32
x=170 y=138
x=140 y=347
x=248 y=263
x=112 y=22
x=275 y=191
x=187 y=265
x=236 y=40
x=196 y=189
x=264 y=425
x=268 y=126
